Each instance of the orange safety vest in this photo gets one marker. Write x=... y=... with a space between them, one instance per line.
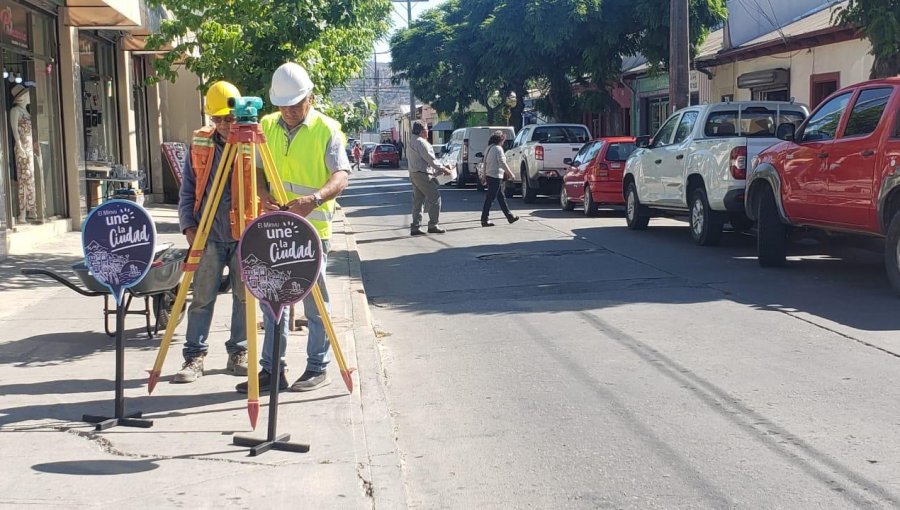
x=203 y=151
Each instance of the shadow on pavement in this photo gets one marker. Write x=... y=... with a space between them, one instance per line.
x=57 y=348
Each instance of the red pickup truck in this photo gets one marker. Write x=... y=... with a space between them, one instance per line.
x=839 y=171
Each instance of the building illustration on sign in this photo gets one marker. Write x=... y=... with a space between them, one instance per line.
x=109 y=267
x=265 y=281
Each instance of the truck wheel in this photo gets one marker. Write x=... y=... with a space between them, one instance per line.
x=635 y=218
x=892 y=252
x=564 y=201
x=771 y=237
x=529 y=194
x=590 y=207
x=706 y=224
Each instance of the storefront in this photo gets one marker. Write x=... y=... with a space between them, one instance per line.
x=33 y=184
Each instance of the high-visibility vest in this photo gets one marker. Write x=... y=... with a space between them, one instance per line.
x=203 y=151
x=301 y=164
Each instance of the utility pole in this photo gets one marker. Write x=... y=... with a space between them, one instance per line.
x=412 y=96
x=377 y=126
x=679 y=56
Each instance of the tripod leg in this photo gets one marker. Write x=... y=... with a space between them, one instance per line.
x=332 y=338
x=196 y=251
x=272 y=174
x=250 y=303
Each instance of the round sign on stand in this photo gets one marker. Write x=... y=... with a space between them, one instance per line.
x=281 y=256
x=119 y=239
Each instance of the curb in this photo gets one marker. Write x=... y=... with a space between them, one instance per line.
x=376 y=444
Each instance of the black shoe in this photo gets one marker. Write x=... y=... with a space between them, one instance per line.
x=416 y=232
x=310 y=381
x=487 y=223
x=264 y=382
x=436 y=230
x=512 y=219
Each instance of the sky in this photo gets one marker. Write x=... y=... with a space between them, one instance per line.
x=399 y=19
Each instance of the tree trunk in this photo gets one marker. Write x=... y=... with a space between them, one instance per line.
x=885 y=67
x=519 y=108
x=560 y=97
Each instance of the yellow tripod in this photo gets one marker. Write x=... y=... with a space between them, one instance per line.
x=244 y=138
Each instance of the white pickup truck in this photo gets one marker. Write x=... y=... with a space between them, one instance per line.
x=537 y=157
x=696 y=164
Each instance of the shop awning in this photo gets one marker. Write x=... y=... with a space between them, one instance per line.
x=444 y=125
x=105 y=14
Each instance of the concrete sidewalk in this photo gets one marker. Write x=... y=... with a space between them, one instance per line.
x=56 y=364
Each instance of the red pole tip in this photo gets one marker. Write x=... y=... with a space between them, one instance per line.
x=154 y=377
x=253 y=412
x=348 y=378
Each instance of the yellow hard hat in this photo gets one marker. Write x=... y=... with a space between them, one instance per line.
x=217 y=97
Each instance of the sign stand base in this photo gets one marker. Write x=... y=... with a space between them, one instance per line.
x=273 y=441
x=120 y=418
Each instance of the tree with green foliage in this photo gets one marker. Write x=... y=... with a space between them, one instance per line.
x=244 y=41
x=354 y=118
x=878 y=21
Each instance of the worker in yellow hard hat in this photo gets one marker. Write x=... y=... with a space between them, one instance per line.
x=221 y=248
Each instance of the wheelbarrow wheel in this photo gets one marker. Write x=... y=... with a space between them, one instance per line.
x=162 y=308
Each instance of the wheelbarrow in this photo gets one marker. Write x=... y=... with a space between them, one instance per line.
x=160 y=286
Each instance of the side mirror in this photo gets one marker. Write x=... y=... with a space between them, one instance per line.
x=567 y=161
x=786 y=132
x=507 y=145
x=479 y=154
x=642 y=142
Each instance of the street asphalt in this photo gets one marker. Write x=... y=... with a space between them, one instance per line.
x=56 y=364
x=566 y=362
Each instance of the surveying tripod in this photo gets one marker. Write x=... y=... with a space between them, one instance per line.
x=246 y=136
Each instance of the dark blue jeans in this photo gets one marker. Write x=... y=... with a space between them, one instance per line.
x=494 y=192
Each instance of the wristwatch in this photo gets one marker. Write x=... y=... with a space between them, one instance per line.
x=318 y=197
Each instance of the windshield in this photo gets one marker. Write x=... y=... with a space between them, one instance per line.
x=561 y=134
x=754 y=121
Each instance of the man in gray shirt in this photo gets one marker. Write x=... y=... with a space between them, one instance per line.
x=423 y=166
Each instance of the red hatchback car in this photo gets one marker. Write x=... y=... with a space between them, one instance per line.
x=384 y=154
x=594 y=177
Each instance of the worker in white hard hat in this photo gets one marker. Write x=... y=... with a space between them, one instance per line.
x=310 y=155
x=198 y=174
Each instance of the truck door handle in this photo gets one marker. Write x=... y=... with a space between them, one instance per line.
x=822 y=155
x=680 y=156
x=867 y=153
x=658 y=161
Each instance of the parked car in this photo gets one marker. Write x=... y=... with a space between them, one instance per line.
x=839 y=171
x=537 y=157
x=595 y=174
x=367 y=149
x=471 y=141
x=696 y=164
x=438 y=149
x=384 y=154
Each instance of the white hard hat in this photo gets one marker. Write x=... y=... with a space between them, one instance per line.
x=290 y=85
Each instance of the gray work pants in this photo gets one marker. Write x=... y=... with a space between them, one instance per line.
x=426 y=193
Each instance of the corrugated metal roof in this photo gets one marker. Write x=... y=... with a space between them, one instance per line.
x=712 y=44
x=814 y=22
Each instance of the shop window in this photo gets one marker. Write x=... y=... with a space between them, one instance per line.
x=35 y=175
x=98 y=88
x=821 y=86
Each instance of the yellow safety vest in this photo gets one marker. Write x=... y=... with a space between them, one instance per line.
x=301 y=164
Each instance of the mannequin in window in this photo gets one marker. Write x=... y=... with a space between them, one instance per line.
x=20 y=123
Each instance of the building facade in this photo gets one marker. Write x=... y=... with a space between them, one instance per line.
x=73 y=85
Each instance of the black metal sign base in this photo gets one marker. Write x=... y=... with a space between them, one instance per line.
x=120 y=419
x=273 y=441
x=105 y=422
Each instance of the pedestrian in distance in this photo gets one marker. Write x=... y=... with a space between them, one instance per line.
x=399 y=146
x=357 y=155
x=495 y=172
x=310 y=156
x=221 y=247
x=423 y=166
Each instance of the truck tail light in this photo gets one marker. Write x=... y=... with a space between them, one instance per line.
x=538 y=153
x=739 y=162
x=465 y=151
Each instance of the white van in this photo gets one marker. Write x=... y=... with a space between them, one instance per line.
x=467 y=143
